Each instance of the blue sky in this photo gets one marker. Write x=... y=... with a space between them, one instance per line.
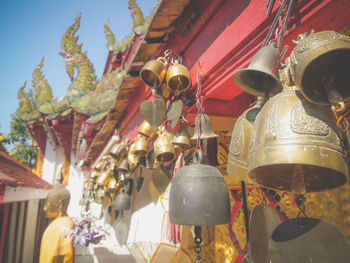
x=32 y=29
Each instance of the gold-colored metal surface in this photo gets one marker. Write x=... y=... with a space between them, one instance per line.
x=140 y=146
x=153 y=111
x=203 y=129
x=104 y=178
x=259 y=76
x=162 y=91
x=296 y=145
x=182 y=139
x=237 y=164
x=146 y=130
x=178 y=78
x=320 y=59
x=163 y=148
x=154 y=71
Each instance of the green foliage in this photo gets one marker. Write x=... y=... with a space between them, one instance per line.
x=21 y=142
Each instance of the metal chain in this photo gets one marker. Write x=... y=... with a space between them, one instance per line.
x=199 y=105
x=198 y=242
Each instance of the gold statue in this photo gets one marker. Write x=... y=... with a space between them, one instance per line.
x=56 y=243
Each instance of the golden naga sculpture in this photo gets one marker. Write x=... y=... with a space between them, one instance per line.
x=56 y=243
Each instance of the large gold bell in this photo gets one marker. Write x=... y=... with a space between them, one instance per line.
x=140 y=146
x=163 y=148
x=154 y=71
x=259 y=76
x=321 y=61
x=146 y=130
x=182 y=139
x=178 y=78
x=203 y=129
x=237 y=165
x=296 y=145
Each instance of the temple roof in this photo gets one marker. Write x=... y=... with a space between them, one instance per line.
x=14 y=173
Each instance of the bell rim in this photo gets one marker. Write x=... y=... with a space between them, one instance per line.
x=264 y=159
x=251 y=91
x=300 y=70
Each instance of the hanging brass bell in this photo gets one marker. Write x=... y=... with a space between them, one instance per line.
x=132 y=159
x=123 y=167
x=99 y=195
x=163 y=148
x=237 y=165
x=123 y=201
x=321 y=61
x=296 y=145
x=203 y=129
x=259 y=76
x=104 y=178
x=199 y=195
x=146 y=130
x=154 y=71
x=113 y=186
x=178 y=78
x=181 y=139
x=140 y=146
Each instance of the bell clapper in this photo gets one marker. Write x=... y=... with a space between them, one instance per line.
x=298 y=185
x=198 y=242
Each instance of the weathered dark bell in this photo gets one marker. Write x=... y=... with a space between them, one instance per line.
x=259 y=76
x=122 y=201
x=203 y=129
x=199 y=195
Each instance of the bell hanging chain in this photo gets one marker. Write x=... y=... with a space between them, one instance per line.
x=198 y=242
x=279 y=33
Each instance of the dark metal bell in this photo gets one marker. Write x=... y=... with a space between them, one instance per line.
x=123 y=202
x=199 y=195
x=205 y=129
x=259 y=75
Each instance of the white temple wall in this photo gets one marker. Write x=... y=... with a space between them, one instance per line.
x=53 y=160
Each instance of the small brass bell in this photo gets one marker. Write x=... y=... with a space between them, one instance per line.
x=296 y=145
x=146 y=130
x=99 y=195
x=163 y=148
x=154 y=71
x=182 y=139
x=203 y=127
x=321 y=59
x=113 y=186
x=199 y=195
x=132 y=159
x=178 y=78
x=123 y=167
x=140 y=146
x=237 y=165
x=122 y=201
x=104 y=178
x=259 y=76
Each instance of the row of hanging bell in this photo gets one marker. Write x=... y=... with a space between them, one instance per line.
x=165 y=82
x=294 y=144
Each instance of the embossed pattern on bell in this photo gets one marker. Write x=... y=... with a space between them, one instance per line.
x=163 y=147
x=237 y=165
x=320 y=59
x=289 y=131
